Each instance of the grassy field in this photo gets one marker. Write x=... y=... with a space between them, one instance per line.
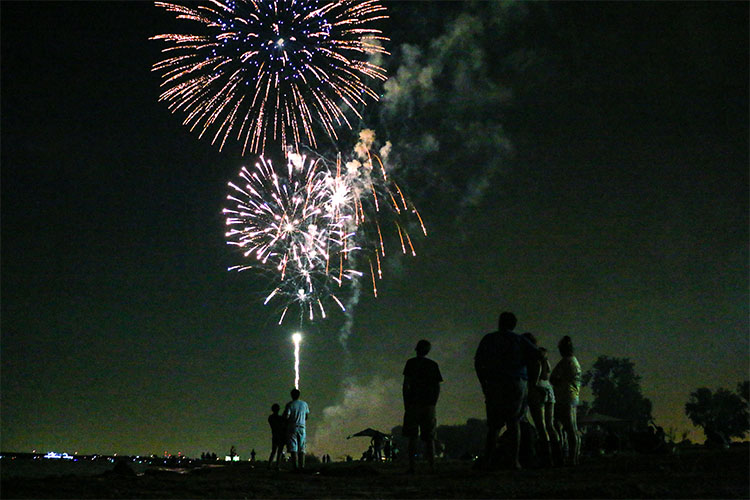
x=694 y=473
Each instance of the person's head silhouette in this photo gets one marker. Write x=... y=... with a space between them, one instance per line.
x=507 y=322
x=423 y=347
x=275 y=407
x=295 y=394
x=565 y=346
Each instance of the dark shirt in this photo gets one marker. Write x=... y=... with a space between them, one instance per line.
x=504 y=354
x=278 y=426
x=421 y=382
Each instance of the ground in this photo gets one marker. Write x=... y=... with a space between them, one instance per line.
x=693 y=473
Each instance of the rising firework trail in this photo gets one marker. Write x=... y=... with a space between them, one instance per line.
x=296 y=339
x=262 y=71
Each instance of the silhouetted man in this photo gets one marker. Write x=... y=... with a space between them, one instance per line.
x=500 y=363
x=421 y=390
x=296 y=413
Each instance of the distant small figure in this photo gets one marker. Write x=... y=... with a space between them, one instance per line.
x=252 y=455
x=296 y=414
x=421 y=390
x=377 y=447
x=278 y=435
x=232 y=452
x=566 y=380
x=500 y=363
x=542 y=406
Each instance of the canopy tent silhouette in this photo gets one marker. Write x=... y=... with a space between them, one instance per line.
x=369 y=432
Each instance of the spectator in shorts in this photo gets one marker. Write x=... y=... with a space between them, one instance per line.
x=278 y=435
x=500 y=363
x=421 y=390
x=542 y=405
x=566 y=380
x=296 y=414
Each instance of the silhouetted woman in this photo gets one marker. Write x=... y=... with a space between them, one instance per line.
x=566 y=381
x=542 y=403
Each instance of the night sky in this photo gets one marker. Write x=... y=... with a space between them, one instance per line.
x=584 y=165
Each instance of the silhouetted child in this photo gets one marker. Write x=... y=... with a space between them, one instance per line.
x=278 y=435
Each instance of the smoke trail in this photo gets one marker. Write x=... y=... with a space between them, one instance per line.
x=443 y=107
x=346 y=329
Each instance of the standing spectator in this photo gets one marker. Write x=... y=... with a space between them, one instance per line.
x=377 y=447
x=500 y=363
x=278 y=435
x=566 y=380
x=542 y=404
x=421 y=390
x=296 y=414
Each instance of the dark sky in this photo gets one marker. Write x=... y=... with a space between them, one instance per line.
x=584 y=165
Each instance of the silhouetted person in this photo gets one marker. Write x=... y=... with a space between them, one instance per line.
x=500 y=363
x=566 y=380
x=252 y=455
x=541 y=399
x=377 y=447
x=278 y=435
x=296 y=413
x=421 y=390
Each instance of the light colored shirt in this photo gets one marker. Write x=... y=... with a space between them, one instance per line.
x=566 y=379
x=296 y=413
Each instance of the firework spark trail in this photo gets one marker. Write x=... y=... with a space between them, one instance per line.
x=285 y=223
x=362 y=185
x=296 y=338
x=308 y=224
x=267 y=70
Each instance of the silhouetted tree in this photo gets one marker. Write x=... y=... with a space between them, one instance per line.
x=617 y=390
x=743 y=389
x=724 y=412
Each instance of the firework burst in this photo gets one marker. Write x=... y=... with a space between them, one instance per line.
x=268 y=70
x=373 y=204
x=307 y=225
x=286 y=224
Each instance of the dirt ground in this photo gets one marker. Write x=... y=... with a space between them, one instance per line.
x=695 y=473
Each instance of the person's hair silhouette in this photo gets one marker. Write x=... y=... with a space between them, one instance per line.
x=507 y=322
